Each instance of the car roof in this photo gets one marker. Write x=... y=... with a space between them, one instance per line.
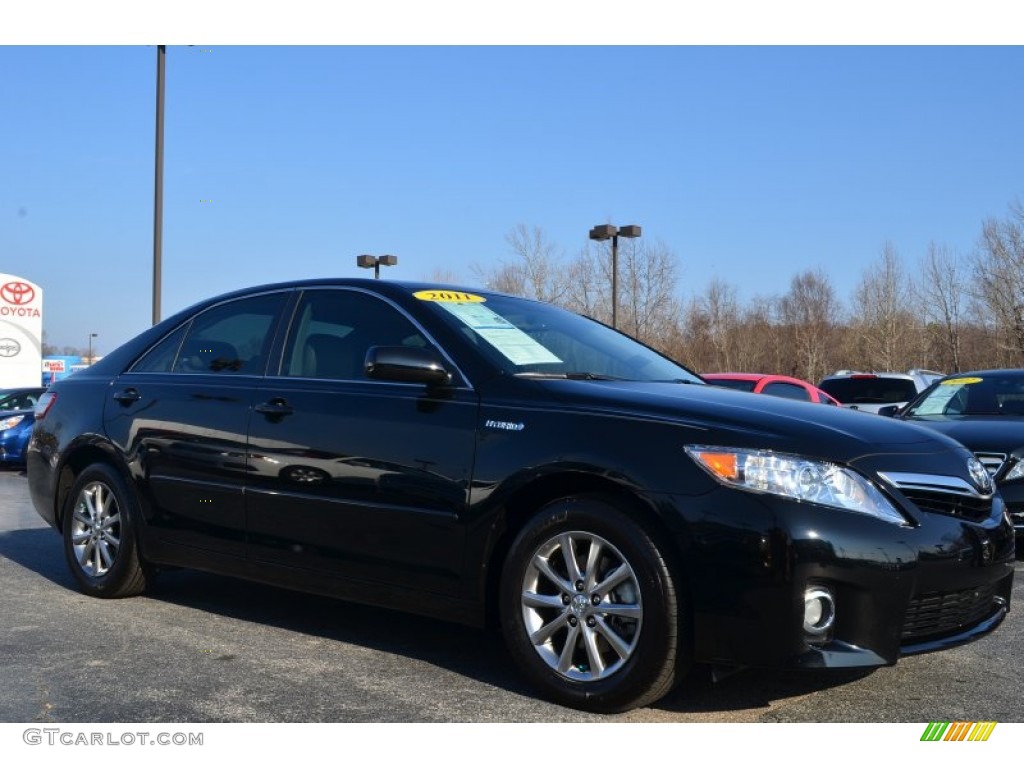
x=740 y=376
x=757 y=377
x=987 y=372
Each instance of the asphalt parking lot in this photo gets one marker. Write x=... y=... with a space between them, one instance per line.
x=201 y=648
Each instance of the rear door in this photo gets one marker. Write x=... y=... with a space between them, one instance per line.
x=181 y=415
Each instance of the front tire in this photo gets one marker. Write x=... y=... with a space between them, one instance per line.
x=590 y=608
x=100 y=542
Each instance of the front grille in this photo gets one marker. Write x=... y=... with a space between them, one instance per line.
x=942 y=494
x=970 y=508
x=1016 y=514
x=993 y=461
x=943 y=613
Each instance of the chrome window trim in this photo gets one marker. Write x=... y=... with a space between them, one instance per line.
x=188 y=321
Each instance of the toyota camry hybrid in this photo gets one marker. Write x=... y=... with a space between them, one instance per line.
x=497 y=461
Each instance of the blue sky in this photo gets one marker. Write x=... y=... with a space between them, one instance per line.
x=748 y=163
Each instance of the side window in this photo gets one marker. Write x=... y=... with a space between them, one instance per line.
x=333 y=329
x=160 y=359
x=232 y=338
x=785 y=389
x=18 y=403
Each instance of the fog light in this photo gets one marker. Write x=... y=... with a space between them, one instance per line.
x=819 y=610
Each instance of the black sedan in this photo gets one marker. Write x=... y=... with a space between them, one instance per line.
x=488 y=459
x=984 y=410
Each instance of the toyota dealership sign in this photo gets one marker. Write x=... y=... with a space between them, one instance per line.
x=21 y=332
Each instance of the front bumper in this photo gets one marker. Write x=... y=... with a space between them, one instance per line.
x=749 y=560
x=12 y=446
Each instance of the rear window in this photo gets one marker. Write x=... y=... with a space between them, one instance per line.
x=740 y=384
x=877 y=389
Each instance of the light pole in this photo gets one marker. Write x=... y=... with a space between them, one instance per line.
x=610 y=232
x=158 y=182
x=376 y=262
x=91 y=337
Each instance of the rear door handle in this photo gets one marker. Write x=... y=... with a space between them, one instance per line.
x=127 y=396
x=277 y=406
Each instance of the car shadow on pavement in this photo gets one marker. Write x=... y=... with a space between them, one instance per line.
x=474 y=653
x=39 y=550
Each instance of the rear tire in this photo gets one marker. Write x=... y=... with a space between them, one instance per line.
x=590 y=608
x=100 y=540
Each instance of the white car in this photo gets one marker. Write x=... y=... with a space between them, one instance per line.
x=870 y=391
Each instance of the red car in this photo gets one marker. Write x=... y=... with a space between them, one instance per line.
x=771 y=384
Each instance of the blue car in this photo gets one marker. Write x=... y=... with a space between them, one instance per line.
x=17 y=416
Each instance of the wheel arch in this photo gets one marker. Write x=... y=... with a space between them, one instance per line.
x=76 y=461
x=528 y=499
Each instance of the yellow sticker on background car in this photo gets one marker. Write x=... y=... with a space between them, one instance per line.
x=441 y=295
x=961 y=382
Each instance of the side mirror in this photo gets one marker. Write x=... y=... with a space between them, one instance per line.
x=407 y=364
x=888 y=410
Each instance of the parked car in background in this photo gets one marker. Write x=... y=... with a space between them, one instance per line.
x=983 y=410
x=771 y=384
x=492 y=460
x=16 y=420
x=871 y=391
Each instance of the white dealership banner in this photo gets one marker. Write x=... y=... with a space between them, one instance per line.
x=21 y=332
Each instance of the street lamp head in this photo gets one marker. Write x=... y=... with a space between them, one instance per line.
x=630 y=230
x=603 y=232
x=388 y=260
x=367 y=262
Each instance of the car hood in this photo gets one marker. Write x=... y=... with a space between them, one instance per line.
x=1000 y=434
x=725 y=417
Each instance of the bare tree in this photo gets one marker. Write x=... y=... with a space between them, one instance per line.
x=999 y=277
x=942 y=298
x=444 y=277
x=649 y=307
x=719 y=314
x=536 y=271
x=756 y=338
x=810 y=312
x=882 y=312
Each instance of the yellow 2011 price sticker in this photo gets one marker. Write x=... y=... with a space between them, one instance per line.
x=449 y=296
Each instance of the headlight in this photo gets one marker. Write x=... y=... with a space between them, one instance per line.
x=1016 y=473
x=819 y=482
x=10 y=421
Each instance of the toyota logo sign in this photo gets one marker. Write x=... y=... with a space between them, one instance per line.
x=17 y=293
x=9 y=347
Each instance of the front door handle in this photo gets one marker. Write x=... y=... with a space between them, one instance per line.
x=276 y=406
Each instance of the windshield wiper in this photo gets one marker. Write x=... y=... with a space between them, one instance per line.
x=574 y=375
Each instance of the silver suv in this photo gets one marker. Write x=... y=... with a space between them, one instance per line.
x=870 y=391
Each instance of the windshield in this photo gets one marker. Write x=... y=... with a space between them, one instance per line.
x=530 y=338
x=870 y=389
x=995 y=395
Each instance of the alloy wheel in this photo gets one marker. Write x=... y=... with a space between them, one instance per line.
x=581 y=606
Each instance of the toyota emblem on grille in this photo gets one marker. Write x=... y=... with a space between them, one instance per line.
x=979 y=475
